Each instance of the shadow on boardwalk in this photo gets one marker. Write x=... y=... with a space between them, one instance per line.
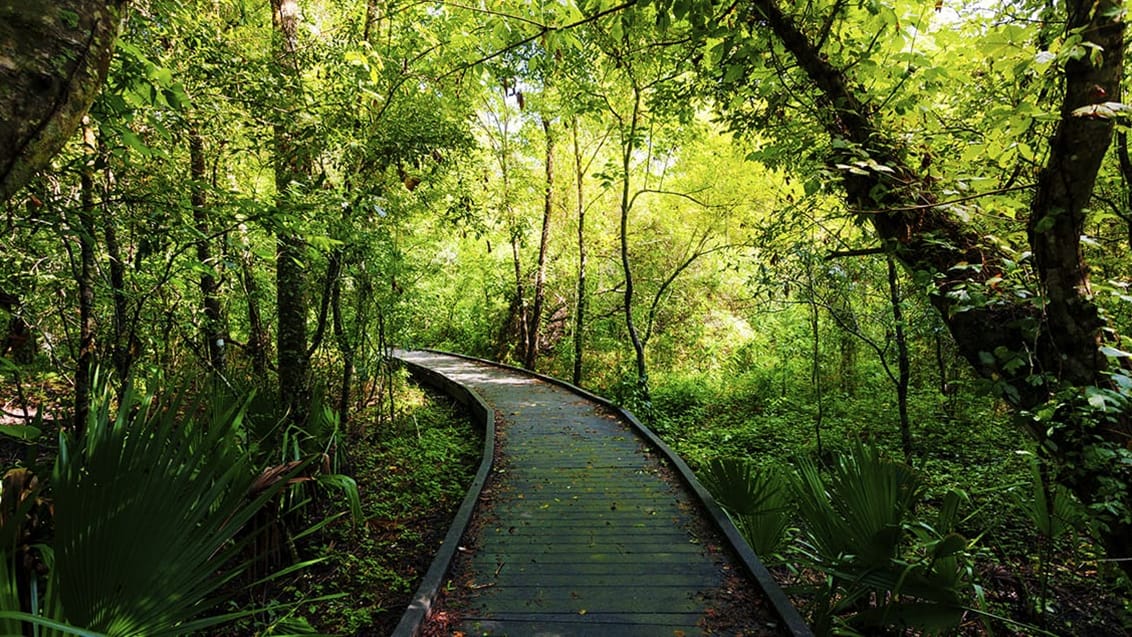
x=583 y=529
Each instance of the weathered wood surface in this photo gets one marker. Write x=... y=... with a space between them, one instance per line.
x=580 y=533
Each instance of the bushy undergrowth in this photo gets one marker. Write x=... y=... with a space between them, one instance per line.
x=330 y=538
x=1036 y=581
x=412 y=476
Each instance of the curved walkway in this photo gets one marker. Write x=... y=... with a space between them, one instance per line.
x=584 y=531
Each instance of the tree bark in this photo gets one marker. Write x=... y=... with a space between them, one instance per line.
x=815 y=359
x=84 y=367
x=56 y=56
x=580 y=311
x=627 y=145
x=346 y=346
x=902 y=361
x=212 y=332
x=292 y=165
x=121 y=346
x=535 y=318
x=258 y=340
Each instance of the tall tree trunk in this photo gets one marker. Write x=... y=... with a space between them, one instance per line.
x=292 y=165
x=815 y=358
x=291 y=337
x=847 y=344
x=121 y=344
x=902 y=360
x=212 y=332
x=627 y=147
x=580 y=311
x=517 y=313
x=1125 y=211
x=85 y=362
x=535 y=318
x=258 y=341
x=346 y=346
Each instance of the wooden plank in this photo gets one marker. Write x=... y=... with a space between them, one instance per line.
x=673 y=557
x=620 y=626
x=615 y=581
x=584 y=534
x=644 y=569
x=583 y=601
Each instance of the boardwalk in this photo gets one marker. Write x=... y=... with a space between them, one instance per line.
x=581 y=534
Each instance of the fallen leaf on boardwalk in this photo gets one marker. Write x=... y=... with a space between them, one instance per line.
x=582 y=612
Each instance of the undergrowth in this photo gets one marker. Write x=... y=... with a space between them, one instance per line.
x=412 y=476
x=1045 y=584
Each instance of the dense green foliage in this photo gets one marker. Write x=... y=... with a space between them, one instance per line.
x=776 y=232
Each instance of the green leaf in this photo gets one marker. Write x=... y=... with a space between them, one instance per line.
x=1112 y=352
x=132 y=140
x=1044 y=224
x=25 y=433
x=1096 y=398
x=952 y=544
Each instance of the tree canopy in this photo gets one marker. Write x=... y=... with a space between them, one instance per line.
x=279 y=192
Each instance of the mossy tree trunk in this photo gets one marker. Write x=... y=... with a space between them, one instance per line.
x=292 y=171
x=55 y=58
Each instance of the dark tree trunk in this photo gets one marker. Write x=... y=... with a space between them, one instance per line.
x=292 y=165
x=627 y=146
x=258 y=341
x=121 y=344
x=815 y=359
x=85 y=364
x=212 y=332
x=535 y=318
x=1125 y=211
x=902 y=361
x=517 y=313
x=580 y=311
x=346 y=346
x=291 y=337
x=56 y=56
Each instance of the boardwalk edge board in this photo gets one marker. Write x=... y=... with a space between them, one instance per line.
x=418 y=609
x=792 y=621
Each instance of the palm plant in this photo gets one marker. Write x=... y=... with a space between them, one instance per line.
x=150 y=505
x=883 y=567
x=756 y=500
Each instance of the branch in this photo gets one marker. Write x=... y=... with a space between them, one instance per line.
x=926 y=206
x=699 y=252
x=860 y=252
x=499 y=14
x=683 y=195
x=543 y=30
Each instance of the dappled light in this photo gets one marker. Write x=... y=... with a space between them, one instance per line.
x=875 y=251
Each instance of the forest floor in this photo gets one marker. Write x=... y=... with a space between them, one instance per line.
x=1023 y=583
x=412 y=476
x=413 y=473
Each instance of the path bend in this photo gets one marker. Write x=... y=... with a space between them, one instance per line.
x=586 y=528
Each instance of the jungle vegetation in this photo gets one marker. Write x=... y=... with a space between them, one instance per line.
x=833 y=252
